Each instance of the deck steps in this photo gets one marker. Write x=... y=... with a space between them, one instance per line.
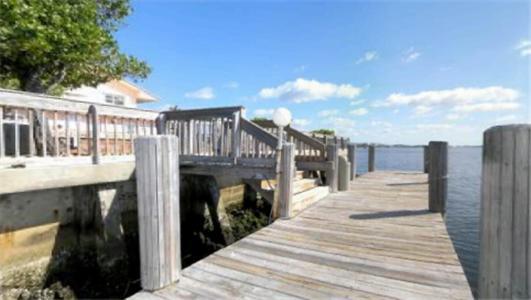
x=306 y=191
x=308 y=197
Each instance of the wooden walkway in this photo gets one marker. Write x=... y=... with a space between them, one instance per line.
x=377 y=240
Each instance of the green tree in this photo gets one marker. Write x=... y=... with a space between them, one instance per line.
x=324 y=131
x=49 y=45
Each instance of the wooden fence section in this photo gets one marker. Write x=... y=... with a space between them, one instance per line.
x=35 y=125
x=306 y=147
x=218 y=135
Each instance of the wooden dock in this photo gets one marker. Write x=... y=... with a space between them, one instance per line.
x=377 y=240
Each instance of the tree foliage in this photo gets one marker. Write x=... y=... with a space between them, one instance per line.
x=258 y=119
x=49 y=45
x=324 y=131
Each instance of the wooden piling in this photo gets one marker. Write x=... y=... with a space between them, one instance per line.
x=160 y=123
x=371 y=151
x=426 y=159
x=343 y=173
x=287 y=169
x=157 y=181
x=437 y=177
x=331 y=175
x=505 y=232
x=95 y=135
x=351 y=154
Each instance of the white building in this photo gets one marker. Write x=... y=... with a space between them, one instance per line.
x=117 y=92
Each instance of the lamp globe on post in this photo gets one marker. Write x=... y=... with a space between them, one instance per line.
x=281 y=118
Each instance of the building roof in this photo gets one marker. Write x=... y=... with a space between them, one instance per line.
x=141 y=95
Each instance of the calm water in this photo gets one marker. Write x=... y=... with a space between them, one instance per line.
x=462 y=209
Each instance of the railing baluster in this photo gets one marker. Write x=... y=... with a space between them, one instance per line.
x=88 y=134
x=115 y=136
x=78 y=135
x=17 y=133
x=122 y=126
x=67 y=132
x=44 y=129
x=55 y=134
x=31 y=133
x=106 y=131
x=2 y=138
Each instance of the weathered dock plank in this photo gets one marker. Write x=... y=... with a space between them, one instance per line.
x=377 y=240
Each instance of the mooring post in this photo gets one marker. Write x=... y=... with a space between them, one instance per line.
x=505 y=243
x=95 y=135
x=437 y=177
x=343 y=173
x=160 y=122
x=287 y=169
x=351 y=154
x=157 y=181
x=426 y=159
x=371 y=151
x=236 y=135
x=331 y=175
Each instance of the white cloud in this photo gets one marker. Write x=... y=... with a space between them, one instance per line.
x=381 y=124
x=342 y=126
x=359 y=112
x=524 y=46
x=453 y=117
x=341 y=122
x=410 y=55
x=300 y=69
x=205 y=93
x=357 y=102
x=263 y=112
x=302 y=123
x=422 y=109
x=482 y=107
x=506 y=119
x=232 y=85
x=328 y=113
x=304 y=90
x=434 y=126
x=455 y=96
x=367 y=56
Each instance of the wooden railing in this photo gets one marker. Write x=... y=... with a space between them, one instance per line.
x=340 y=141
x=39 y=126
x=306 y=147
x=217 y=135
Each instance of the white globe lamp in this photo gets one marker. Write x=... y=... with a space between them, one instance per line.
x=282 y=117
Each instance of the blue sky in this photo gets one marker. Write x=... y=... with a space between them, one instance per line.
x=381 y=71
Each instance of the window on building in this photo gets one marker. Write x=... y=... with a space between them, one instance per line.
x=115 y=99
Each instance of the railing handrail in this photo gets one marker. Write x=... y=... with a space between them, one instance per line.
x=314 y=143
x=259 y=133
x=201 y=113
x=45 y=102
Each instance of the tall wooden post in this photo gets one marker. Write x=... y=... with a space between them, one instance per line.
x=95 y=135
x=331 y=175
x=160 y=122
x=437 y=176
x=426 y=159
x=370 y=165
x=505 y=232
x=157 y=181
x=236 y=135
x=287 y=169
x=343 y=173
x=351 y=154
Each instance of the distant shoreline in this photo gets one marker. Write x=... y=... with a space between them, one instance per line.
x=365 y=145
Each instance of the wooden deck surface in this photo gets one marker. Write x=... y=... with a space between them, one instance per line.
x=377 y=240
